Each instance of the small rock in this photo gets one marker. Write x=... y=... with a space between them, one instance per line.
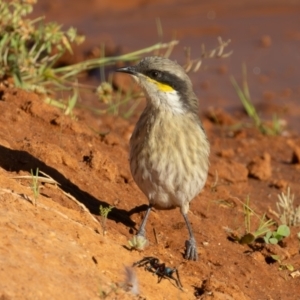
x=216 y=289
x=105 y=166
x=258 y=256
x=279 y=184
x=219 y=116
x=260 y=167
x=265 y=41
x=222 y=69
x=296 y=155
x=229 y=170
x=295 y=274
x=264 y=78
x=287 y=92
x=226 y=153
x=269 y=95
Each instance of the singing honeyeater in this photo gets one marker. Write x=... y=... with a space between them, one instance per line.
x=169 y=149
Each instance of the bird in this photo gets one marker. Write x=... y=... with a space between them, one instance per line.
x=169 y=148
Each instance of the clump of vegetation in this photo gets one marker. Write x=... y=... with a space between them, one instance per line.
x=251 y=235
x=104 y=211
x=268 y=231
x=138 y=243
x=29 y=49
x=264 y=229
x=282 y=265
x=274 y=237
x=287 y=212
x=275 y=128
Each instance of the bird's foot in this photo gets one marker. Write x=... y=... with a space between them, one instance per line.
x=138 y=242
x=191 y=249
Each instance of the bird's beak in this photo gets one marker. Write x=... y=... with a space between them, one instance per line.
x=129 y=70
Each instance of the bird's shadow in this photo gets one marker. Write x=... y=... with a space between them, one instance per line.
x=19 y=160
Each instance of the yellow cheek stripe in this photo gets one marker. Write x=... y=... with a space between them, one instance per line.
x=161 y=86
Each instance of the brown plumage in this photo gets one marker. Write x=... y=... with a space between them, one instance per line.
x=168 y=148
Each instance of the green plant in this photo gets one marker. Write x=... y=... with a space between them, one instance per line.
x=282 y=266
x=251 y=236
x=273 y=237
x=35 y=186
x=29 y=49
x=262 y=228
x=104 y=211
x=244 y=95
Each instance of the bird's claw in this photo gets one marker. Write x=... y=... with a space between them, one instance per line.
x=191 y=250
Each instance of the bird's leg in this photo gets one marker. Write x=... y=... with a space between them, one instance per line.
x=191 y=247
x=142 y=230
x=139 y=241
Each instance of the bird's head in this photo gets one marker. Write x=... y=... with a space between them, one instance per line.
x=165 y=84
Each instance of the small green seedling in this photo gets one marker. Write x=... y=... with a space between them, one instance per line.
x=273 y=237
x=244 y=95
x=282 y=266
x=263 y=227
x=104 y=211
x=35 y=186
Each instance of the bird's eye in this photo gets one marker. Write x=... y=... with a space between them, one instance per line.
x=155 y=74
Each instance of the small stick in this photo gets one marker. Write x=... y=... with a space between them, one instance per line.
x=155 y=235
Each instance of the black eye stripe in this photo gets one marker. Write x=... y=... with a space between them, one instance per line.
x=167 y=78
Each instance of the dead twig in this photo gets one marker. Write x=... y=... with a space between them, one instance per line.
x=218 y=52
